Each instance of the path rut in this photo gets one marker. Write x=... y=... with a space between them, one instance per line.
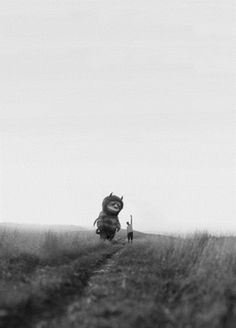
x=95 y=307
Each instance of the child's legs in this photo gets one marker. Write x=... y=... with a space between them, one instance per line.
x=129 y=235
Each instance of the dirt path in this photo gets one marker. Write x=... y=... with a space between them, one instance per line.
x=51 y=290
x=98 y=305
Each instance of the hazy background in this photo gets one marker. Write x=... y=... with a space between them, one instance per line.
x=134 y=97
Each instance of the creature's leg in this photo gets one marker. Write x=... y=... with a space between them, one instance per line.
x=111 y=236
x=103 y=235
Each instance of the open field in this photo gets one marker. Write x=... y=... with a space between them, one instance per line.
x=74 y=280
x=40 y=269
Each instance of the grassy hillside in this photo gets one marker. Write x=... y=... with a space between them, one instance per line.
x=157 y=281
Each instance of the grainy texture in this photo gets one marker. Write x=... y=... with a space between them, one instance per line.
x=157 y=281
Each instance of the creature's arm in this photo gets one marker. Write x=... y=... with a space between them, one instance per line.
x=118 y=225
x=131 y=220
x=101 y=215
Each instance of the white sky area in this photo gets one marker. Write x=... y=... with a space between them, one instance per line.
x=131 y=97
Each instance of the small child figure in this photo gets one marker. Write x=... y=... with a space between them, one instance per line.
x=130 y=232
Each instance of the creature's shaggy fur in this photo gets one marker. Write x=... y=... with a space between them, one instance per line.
x=108 y=222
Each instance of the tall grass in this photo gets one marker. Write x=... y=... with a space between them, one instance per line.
x=167 y=281
x=21 y=252
x=190 y=282
x=14 y=242
x=38 y=269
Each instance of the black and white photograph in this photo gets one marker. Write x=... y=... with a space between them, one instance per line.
x=117 y=164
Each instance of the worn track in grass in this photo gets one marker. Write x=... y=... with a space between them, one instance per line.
x=161 y=283
x=39 y=310
x=88 y=310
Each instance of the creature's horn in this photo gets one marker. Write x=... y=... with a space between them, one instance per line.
x=122 y=198
x=110 y=194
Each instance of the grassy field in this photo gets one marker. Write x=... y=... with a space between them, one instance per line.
x=40 y=269
x=158 y=281
x=178 y=282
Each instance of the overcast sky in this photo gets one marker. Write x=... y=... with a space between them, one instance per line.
x=135 y=97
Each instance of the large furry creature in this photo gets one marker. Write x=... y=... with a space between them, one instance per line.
x=108 y=222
